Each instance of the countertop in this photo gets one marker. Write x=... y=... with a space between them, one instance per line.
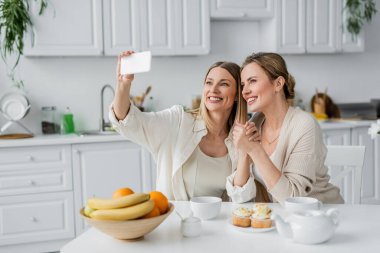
x=57 y=139
x=341 y=124
x=358 y=231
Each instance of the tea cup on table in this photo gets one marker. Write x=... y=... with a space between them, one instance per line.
x=300 y=204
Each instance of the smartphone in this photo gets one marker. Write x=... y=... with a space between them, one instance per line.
x=135 y=63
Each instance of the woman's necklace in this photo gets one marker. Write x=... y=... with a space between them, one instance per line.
x=269 y=142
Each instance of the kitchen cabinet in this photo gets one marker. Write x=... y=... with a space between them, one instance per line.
x=101 y=168
x=67 y=28
x=165 y=27
x=346 y=134
x=36 y=198
x=308 y=26
x=241 y=10
x=45 y=181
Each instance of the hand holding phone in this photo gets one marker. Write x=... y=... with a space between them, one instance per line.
x=135 y=63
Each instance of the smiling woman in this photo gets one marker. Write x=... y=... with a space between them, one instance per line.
x=286 y=147
x=193 y=149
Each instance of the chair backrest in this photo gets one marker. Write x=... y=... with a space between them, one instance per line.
x=347 y=159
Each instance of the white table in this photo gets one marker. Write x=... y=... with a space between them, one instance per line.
x=359 y=231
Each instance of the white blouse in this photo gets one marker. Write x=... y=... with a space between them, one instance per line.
x=204 y=175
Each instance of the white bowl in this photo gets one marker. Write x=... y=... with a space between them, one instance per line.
x=206 y=207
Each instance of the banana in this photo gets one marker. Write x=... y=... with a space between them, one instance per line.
x=126 y=213
x=125 y=201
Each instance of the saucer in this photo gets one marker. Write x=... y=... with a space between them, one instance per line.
x=252 y=230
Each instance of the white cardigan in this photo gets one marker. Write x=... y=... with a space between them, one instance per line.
x=171 y=136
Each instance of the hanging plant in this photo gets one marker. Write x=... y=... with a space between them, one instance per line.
x=358 y=12
x=14 y=22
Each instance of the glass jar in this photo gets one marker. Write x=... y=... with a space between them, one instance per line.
x=49 y=125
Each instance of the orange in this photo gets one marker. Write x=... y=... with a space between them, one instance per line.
x=160 y=200
x=122 y=192
x=155 y=212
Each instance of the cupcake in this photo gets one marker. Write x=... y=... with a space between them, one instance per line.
x=260 y=217
x=241 y=217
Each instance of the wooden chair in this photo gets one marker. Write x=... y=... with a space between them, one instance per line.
x=346 y=160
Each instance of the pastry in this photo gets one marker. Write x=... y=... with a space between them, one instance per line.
x=241 y=217
x=260 y=217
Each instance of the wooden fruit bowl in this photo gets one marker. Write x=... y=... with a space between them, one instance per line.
x=129 y=229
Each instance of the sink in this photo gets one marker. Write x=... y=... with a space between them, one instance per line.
x=97 y=132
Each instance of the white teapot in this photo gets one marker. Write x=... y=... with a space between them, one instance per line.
x=308 y=227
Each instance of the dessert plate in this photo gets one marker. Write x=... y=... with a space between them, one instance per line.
x=251 y=229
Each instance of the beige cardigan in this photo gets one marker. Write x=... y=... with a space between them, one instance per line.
x=300 y=156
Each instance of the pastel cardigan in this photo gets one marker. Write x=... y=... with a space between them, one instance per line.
x=300 y=155
x=171 y=136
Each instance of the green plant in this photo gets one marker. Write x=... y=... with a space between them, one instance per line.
x=358 y=12
x=14 y=22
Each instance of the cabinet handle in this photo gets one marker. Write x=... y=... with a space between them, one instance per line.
x=30 y=158
x=33 y=219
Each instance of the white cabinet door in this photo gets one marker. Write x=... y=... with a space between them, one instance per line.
x=322 y=27
x=241 y=9
x=175 y=27
x=101 y=168
x=337 y=136
x=67 y=27
x=370 y=174
x=291 y=26
x=121 y=26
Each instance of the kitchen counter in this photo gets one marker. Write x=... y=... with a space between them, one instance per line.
x=341 y=124
x=57 y=139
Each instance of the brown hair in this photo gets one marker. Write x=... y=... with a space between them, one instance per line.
x=274 y=66
x=239 y=109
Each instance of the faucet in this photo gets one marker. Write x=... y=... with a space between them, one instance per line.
x=103 y=123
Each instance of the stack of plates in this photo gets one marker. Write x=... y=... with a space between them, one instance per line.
x=14 y=105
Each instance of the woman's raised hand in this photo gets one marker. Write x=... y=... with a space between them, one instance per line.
x=123 y=79
x=252 y=132
x=244 y=135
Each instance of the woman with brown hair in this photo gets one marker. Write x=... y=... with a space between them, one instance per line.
x=284 y=143
x=193 y=150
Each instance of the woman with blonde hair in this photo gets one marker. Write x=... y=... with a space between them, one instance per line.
x=284 y=143
x=193 y=150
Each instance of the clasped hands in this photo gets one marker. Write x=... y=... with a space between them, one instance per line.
x=246 y=136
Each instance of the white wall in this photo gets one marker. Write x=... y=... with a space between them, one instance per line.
x=76 y=81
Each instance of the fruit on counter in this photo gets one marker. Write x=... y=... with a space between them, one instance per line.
x=126 y=213
x=155 y=212
x=160 y=200
x=122 y=192
x=125 y=201
x=88 y=210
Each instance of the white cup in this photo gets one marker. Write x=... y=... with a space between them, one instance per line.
x=191 y=227
x=299 y=204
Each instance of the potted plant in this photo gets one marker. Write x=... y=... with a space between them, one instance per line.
x=358 y=12
x=14 y=22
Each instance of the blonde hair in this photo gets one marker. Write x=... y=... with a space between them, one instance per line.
x=239 y=109
x=274 y=66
